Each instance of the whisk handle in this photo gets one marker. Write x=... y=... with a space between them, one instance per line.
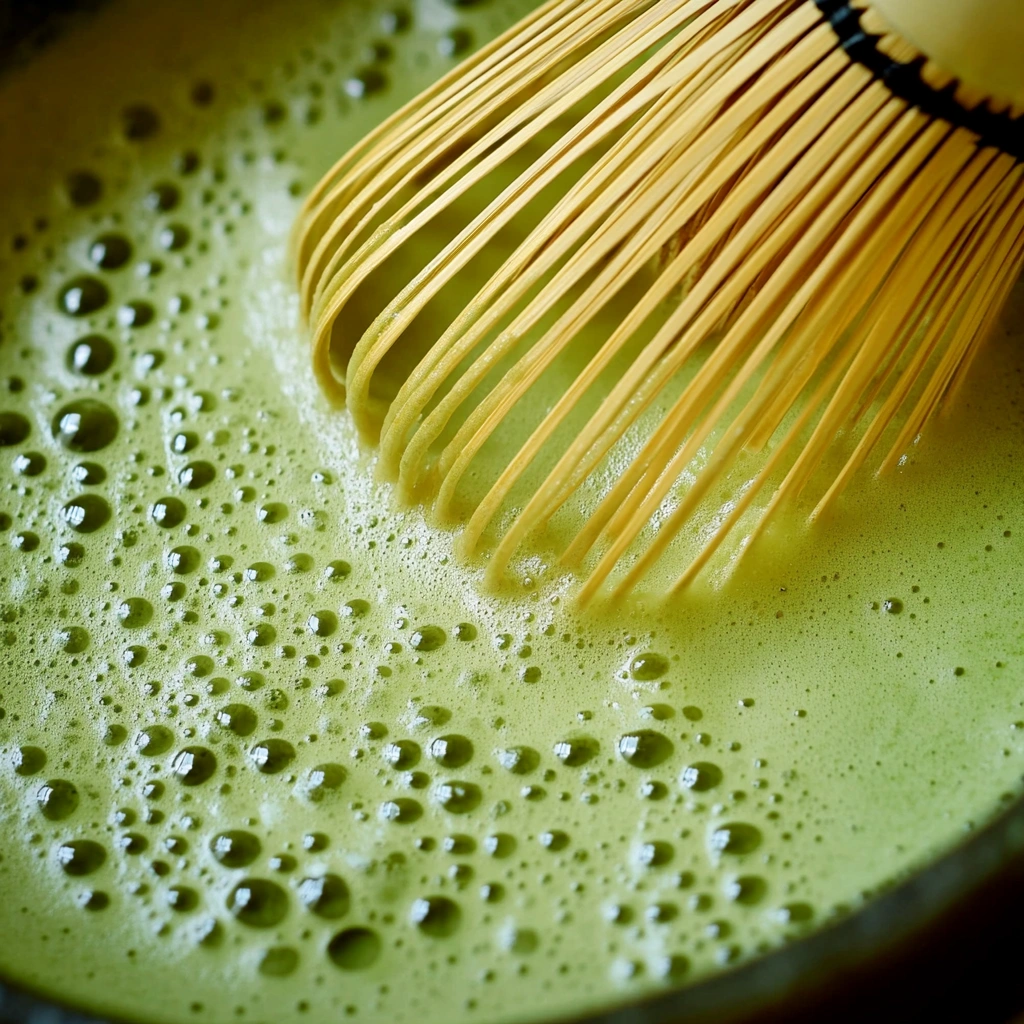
x=979 y=41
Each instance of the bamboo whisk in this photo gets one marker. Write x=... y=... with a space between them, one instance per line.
x=811 y=224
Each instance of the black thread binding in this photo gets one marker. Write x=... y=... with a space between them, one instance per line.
x=904 y=80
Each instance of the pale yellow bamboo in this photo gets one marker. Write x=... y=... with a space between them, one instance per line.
x=954 y=278
x=624 y=521
x=491 y=411
x=833 y=259
x=534 y=115
x=854 y=254
x=807 y=128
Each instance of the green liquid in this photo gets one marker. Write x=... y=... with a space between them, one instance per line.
x=267 y=751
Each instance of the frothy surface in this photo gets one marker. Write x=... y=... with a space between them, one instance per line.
x=266 y=751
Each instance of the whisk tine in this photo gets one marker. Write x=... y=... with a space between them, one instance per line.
x=506 y=280
x=327 y=199
x=535 y=115
x=993 y=304
x=1010 y=223
x=993 y=172
x=417 y=144
x=814 y=252
x=483 y=228
x=541 y=504
x=660 y=448
x=466 y=443
x=879 y=338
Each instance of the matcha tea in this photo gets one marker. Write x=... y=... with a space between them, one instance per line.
x=268 y=751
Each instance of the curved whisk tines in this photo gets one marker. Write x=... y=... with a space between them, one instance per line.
x=676 y=248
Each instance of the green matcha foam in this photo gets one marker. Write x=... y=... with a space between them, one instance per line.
x=267 y=752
